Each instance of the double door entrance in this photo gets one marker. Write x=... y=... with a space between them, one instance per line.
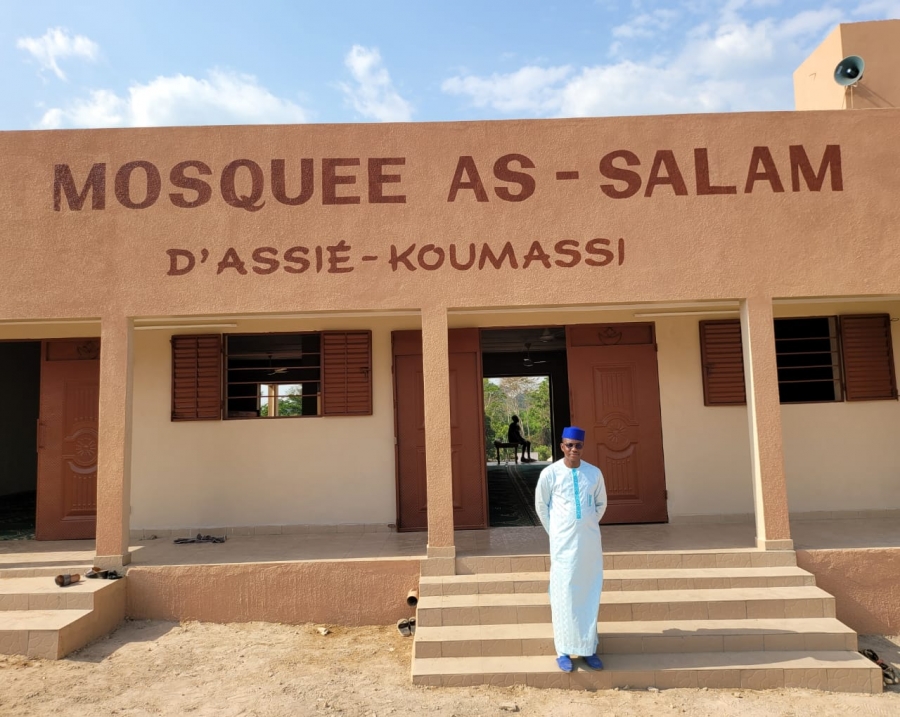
x=613 y=394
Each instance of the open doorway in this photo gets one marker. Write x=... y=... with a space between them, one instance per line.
x=616 y=399
x=20 y=387
x=525 y=376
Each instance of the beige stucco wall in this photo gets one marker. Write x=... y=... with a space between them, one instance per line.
x=302 y=471
x=232 y=473
x=864 y=584
x=683 y=246
x=814 y=85
x=255 y=473
x=687 y=246
x=840 y=456
x=877 y=43
x=342 y=592
x=843 y=456
x=707 y=449
x=34 y=331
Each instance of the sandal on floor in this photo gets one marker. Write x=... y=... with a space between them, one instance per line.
x=403 y=627
x=199 y=539
x=889 y=675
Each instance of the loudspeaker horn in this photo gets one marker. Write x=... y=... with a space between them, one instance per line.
x=849 y=71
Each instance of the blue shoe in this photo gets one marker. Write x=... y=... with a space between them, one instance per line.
x=594 y=662
x=565 y=663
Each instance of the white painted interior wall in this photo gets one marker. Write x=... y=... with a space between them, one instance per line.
x=318 y=470
x=838 y=456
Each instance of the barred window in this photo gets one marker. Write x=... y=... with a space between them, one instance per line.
x=819 y=359
x=277 y=375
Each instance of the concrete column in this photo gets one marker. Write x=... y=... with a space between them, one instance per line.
x=439 y=481
x=773 y=530
x=114 y=451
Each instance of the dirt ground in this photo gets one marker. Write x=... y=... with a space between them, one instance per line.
x=163 y=668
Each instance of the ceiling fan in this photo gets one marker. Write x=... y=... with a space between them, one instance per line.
x=527 y=362
x=275 y=371
x=548 y=336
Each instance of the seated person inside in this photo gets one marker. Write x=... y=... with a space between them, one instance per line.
x=514 y=435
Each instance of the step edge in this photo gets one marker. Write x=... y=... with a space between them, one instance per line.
x=773 y=626
x=780 y=571
x=809 y=592
x=655 y=662
x=26 y=616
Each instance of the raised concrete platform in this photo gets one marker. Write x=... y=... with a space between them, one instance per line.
x=855 y=560
x=717 y=618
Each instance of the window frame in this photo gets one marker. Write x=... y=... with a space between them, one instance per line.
x=873 y=345
x=199 y=377
x=837 y=364
x=226 y=413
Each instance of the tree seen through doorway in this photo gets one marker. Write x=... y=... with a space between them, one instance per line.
x=527 y=397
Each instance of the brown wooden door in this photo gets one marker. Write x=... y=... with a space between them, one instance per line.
x=614 y=387
x=465 y=432
x=67 y=440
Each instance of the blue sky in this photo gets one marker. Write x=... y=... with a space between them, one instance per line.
x=120 y=64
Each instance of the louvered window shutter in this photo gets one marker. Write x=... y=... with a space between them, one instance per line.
x=197 y=378
x=722 y=359
x=347 y=373
x=868 y=357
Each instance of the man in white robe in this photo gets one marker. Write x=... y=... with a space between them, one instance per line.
x=570 y=499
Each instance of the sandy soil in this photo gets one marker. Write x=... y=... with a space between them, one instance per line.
x=161 y=668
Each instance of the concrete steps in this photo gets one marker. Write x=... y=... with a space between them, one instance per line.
x=45 y=570
x=693 y=619
x=40 y=619
x=833 y=671
x=665 y=559
x=641 y=637
x=618 y=580
x=730 y=603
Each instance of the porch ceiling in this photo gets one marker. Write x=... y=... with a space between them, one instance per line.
x=541 y=339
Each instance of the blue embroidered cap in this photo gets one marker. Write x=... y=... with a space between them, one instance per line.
x=574 y=433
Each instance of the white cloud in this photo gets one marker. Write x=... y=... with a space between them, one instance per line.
x=730 y=64
x=56 y=44
x=220 y=98
x=531 y=89
x=373 y=94
x=646 y=24
x=888 y=9
x=811 y=22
